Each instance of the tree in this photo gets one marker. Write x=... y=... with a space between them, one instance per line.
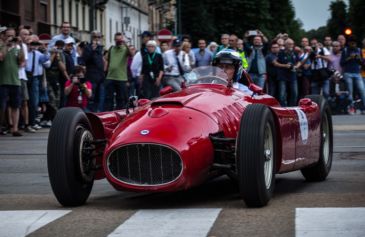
x=356 y=18
x=339 y=18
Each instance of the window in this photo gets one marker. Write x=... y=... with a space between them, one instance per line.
x=29 y=10
x=77 y=14
x=83 y=16
x=43 y=13
x=70 y=12
x=55 y=12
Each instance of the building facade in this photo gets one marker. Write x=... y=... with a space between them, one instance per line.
x=33 y=13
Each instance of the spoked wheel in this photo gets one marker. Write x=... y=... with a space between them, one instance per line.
x=256 y=155
x=71 y=166
x=320 y=170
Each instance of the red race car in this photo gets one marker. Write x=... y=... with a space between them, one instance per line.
x=182 y=139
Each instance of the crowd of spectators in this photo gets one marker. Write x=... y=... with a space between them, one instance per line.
x=41 y=74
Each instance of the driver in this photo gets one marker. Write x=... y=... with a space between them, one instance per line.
x=230 y=62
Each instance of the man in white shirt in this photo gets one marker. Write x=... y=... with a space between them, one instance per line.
x=172 y=69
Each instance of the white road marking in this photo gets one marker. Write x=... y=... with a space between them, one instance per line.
x=168 y=222
x=334 y=222
x=22 y=223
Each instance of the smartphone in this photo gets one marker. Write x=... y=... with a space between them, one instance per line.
x=252 y=32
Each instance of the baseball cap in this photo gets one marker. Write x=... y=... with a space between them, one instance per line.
x=151 y=43
x=146 y=33
x=176 y=43
x=2 y=28
x=69 y=40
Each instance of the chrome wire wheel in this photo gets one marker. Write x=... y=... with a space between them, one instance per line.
x=268 y=155
x=326 y=139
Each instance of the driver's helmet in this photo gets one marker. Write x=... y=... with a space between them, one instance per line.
x=229 y=56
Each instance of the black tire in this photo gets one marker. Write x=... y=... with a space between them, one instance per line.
x=320 y=170
x=69 y=167
x=254 y=153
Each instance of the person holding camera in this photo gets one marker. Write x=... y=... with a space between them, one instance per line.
x=37 y=57
x=319 y=58
x=92 y=56
x=78 y=90
x=11 y=57
x=256 y=49
x=351 y=62
x=287 y=63
x=116 y=80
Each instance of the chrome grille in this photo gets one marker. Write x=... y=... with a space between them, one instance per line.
x=145 y=164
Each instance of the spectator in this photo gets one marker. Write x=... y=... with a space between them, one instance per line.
x=23 y=37
x=186 y=57
x=117 y=78
x=287 y=63
x=327 y=43
x=134 y=87
x=304 y=42
x=172 y=69
x=272 y=70
x=233 y=44
x=203 y=57
x=240 y=44
x=224 y=43
x=147 y=36
x=320 y=79
x=93 y=57
x=10 y=86
x=351 y=59
x=78 y=90
x=35 y=70
x=342 y=40
x=212 y=47
x=152 y=71
x=164 y=46
x=335 y=57
x=256 y=59
x=65 y=35
x=281 y=44
x=304 y=72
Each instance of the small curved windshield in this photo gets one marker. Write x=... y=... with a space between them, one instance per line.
x=206 y=75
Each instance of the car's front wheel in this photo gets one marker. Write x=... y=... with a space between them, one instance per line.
x=71 y=166
x=256 y=155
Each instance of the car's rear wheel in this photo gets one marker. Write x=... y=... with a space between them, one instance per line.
x=320 y=170
x=256 y=155
x=71 y=167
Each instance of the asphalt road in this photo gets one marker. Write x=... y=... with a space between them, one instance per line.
x=24 y=185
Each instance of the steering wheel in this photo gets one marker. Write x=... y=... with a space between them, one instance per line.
x=211 y=80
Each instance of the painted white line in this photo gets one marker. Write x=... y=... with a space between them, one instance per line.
x=334 y=222
x=22 y=223
x=168 y=222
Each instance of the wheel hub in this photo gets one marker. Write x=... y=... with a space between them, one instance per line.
x=87 y=163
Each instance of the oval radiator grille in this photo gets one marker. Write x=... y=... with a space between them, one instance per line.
x=145 y=164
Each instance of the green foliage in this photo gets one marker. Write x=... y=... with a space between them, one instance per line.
x=356 y=18
x=339 y=18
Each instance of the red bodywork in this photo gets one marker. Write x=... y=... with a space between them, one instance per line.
x=183 y=121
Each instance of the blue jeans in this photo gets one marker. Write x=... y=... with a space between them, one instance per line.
x=121 y=94
x=285 y=87
x=352 y=79
x=33 y=88
x=316 y=88
x=96 y=102
x=258 y=79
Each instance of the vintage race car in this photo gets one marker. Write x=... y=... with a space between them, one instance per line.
x=182 y=139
